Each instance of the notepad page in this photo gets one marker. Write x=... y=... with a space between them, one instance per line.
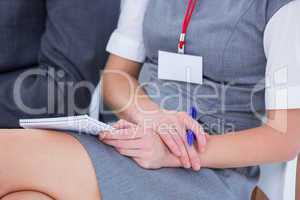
x=80 y=124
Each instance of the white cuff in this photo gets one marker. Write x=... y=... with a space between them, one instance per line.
x=126 y=47
x=282 y=98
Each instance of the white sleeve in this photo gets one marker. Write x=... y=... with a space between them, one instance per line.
x=127 y=40
x=282 y=48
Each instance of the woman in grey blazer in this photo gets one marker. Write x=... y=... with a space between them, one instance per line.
x=229 y=37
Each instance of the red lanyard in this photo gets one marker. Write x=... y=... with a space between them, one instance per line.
x=187 y=19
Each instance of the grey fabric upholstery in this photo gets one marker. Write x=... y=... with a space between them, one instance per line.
x=62 y=36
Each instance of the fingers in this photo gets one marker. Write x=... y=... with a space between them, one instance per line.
x=193 y=156
x=121 y=134
x=124 y=144
x=191 y=124
x=184 y=158
x=123 y=124
x=170 y=142
x=175 y=139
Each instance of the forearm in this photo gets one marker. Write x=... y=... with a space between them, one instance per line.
x=122 y=92
x=247 y=148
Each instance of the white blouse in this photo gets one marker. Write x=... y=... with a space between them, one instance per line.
x=281 y=43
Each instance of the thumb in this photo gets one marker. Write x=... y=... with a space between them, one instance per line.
x=103 y=134
x=123 y=124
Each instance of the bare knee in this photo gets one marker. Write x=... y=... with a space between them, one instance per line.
x=26 y=195
x=50 y=162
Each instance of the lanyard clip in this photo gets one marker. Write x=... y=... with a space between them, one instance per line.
x=181 y=43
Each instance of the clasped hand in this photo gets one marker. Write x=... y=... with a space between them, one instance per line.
x=161 y=142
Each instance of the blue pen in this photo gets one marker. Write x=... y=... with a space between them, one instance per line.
x=190 y=134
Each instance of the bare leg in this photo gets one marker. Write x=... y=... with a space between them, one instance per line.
x=50 y=163
x=26 y=195
x=298 y=180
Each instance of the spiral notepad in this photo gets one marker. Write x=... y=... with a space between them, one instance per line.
x=80 y=124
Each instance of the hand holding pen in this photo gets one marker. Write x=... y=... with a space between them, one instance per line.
x=175 y=136
x=190 y=134
x=191 y=137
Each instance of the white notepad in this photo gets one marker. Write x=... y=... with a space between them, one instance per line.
x=80 y=124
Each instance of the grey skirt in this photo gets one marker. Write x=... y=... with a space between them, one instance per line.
x=120 y=178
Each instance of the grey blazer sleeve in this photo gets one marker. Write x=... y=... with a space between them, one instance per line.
x=71 y=54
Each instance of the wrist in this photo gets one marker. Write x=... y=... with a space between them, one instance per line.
x=203 y=161
x=205 y=157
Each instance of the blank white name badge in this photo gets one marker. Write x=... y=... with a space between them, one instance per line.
x=180 y=67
